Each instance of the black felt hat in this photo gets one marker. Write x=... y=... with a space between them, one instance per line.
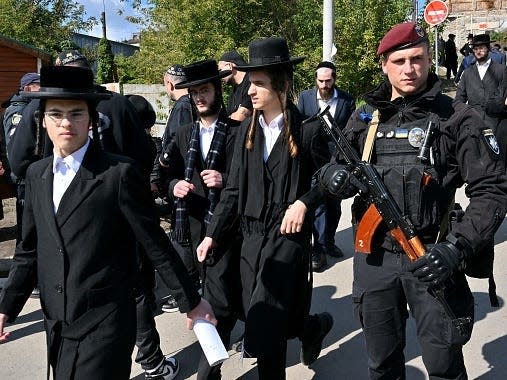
x=481 y=39
x=269 y=52
x=202 y=72
x=67 y=82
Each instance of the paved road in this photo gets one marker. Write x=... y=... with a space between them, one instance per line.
x=343 y=353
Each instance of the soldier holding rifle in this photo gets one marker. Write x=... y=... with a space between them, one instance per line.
x=422 y=149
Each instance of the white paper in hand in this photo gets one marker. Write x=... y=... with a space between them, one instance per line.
x=210 y=342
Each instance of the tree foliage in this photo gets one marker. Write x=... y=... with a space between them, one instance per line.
x=183 y=31
x=106 y=70
x=45 y=24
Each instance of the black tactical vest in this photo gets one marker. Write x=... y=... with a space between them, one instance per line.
x=414 y=183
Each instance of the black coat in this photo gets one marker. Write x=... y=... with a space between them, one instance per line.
x=476 y=92
x=221 y=281
x=84 y=259
x=197 y=201
x=274 y=268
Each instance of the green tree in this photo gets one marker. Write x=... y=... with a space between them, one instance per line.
x=45 y=24
x=106 y=70
x=182 y=31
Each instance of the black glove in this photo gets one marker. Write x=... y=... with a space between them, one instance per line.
x=441 y=261
x=335 y=179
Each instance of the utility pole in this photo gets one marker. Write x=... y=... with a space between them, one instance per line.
x=103 y=19
x=327 y=30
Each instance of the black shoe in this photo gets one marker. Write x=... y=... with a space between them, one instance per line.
x=334 y=251
x=311 y=345
x=319 y=260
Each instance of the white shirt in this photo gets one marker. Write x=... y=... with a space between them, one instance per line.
x=64 y=171
x=206 y=136
x=271 y=133
x=331 y=102
x=483 y=68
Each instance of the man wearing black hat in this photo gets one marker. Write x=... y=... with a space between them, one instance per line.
x=387 y=132
x=341 y=105
x=451 y=56
x=84 y=211
x=481 y=80
x=269 y=190
x=181 y=110
x=120 y=129
x=467 y=48
x=239 y=105
x=199 y=158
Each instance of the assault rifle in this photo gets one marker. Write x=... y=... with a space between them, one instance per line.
x=382 y=208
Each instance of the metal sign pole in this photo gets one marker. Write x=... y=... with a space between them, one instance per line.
x=436 y=50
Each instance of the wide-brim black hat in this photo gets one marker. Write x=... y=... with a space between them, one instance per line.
x=269 y=52
x=67 y=82
x=481 y=39
x=202 y=72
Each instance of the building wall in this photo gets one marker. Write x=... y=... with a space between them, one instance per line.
x=13 y=65
x=459 y=6
x=476 y=17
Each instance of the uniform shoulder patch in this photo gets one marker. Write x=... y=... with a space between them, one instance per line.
x=16 y=118
x=491 y=141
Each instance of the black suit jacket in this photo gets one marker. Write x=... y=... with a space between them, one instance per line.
x=197 y=201
x=309 y=106
x=477 y=92
x=84 y=256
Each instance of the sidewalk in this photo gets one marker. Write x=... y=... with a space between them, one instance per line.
x=343 y=354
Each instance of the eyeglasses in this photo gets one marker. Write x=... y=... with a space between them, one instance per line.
x=203 y=92
x=73 y=116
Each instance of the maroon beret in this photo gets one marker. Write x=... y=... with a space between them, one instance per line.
x=402 y=36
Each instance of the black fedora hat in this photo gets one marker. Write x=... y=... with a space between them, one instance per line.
x=269 y=52
x=481 y=39
x=67 y=82
x=202 y=72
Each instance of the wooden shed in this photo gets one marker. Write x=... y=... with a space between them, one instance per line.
x=17 y=59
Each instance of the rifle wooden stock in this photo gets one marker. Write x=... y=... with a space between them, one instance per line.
x=366 y=228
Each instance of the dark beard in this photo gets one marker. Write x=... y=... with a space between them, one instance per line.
x=213 y=109
x=326 y=94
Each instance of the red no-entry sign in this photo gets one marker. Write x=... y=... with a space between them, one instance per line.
x=435 y=12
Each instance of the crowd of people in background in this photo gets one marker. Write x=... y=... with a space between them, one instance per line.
x=253 y=190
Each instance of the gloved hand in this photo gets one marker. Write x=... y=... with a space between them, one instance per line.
x=440 y=262
x=335 y=179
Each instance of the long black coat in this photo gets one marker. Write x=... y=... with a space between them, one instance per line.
x=221 y=286
x=476 y=92
x=274 y=267
x=84 y=260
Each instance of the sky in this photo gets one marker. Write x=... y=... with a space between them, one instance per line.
x=118 y=29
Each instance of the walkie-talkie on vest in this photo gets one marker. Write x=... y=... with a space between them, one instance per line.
x=425 y=150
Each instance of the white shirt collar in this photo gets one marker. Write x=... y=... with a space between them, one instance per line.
x=485 y=64
x=277 y=122
x=207 y=129
x=73 y=160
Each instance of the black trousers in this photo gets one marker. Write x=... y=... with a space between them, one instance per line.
x=149 y=354
x=381 y=292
